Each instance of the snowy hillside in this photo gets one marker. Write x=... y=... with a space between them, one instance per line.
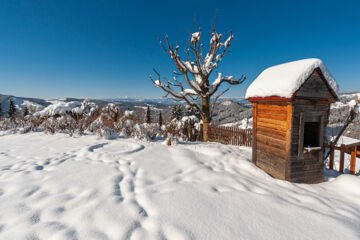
x=33 y=104
x=60 y=187
x=345 y=100
x=230 y=111
x=340 y=111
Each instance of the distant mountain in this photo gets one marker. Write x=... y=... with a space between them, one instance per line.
x=139 y=100
x=33 y=104
x=163 y=100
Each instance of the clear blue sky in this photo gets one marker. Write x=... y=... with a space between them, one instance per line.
x=102 y=49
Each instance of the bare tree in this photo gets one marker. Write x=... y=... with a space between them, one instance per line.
x=194 y=88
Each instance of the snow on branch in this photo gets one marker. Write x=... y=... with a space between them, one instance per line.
x=185 y=94
x=221 y=79
x=195 y=69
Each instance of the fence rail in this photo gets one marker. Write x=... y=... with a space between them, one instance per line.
x=352 y=149
x=230 y=135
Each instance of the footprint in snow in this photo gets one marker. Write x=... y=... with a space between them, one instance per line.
x=116 y=188
x=35 y=218
x=94 y=147
x=31 y=191
x=59 y=210
x=32 y=236
x=39 y=168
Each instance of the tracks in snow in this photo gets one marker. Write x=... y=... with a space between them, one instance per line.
x=126 y=191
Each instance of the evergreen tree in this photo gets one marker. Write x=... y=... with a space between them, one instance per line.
x=1 y=113
x=160 y=119
x=176 y=112
x=12 y=108
x=148 y=115
x=26 y=111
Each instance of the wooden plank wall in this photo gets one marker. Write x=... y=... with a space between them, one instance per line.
x=273 y=131
x=306 y=168
x=230 y=135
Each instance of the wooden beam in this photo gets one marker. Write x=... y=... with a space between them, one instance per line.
x=342 y=158
x=273 y=116
x=254 y=133
x=353 y=160
x=301 y=136
x=331 y=163
x=357 y=144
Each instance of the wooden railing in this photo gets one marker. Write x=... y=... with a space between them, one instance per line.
x=352 y=149
x=230 y=135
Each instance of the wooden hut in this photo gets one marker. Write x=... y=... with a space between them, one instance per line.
x=291 y=104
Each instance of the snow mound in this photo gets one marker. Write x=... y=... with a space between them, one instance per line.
x=226 y=103
x=32 y=105
x=58 y=107
x=285 y=79
x=246 y=123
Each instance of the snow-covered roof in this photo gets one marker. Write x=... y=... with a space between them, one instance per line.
x=285 y=79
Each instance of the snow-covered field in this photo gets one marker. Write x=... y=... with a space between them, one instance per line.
x=60 y=187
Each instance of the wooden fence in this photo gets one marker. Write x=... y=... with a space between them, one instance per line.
x=230 y=135
x=352 y=149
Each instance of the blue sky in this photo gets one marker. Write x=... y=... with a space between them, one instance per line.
x=104 y=49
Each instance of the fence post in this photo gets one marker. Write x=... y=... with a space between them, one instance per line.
x=229 y=136
x=237 y=137
x=353 y=160
x=332 y=148
x=342 y=158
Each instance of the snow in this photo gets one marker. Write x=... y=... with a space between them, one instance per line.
x=208 y=64
x=60 y=187
x=188 y=91
x=228 y=41
x=217 y=80
x=58 y=107
x=158 y=83
x=61 y=107
x=346 y=100
x=190 y=66
x=226 y=103
x=285 y=79
x=129 y=113
x=352 y=103
x=338 y=105
x=215 y=37
x=195 y=37
x=246 y=123
x=31 y=105
x=191 y=118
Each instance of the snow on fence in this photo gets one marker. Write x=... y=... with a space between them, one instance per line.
x=230 y=135
x=352 y=149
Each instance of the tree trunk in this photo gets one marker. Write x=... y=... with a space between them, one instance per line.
x=206 y=118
